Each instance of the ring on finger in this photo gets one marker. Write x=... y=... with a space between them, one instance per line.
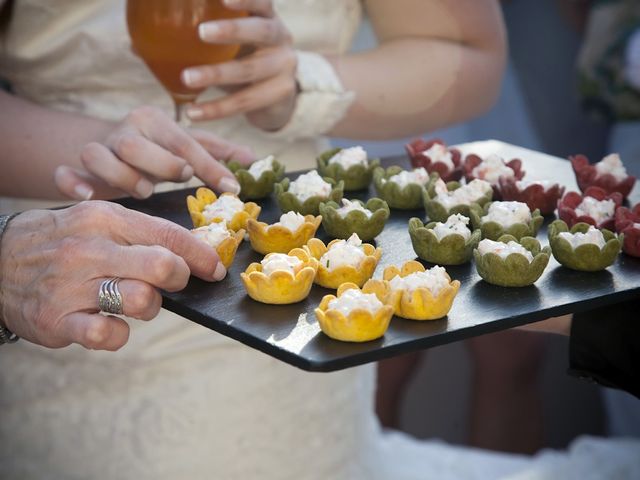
x=109 y=297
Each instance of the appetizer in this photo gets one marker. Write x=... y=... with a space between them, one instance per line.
x=257 y=181
x=435 y=156
x=595 y=207
x=628 y=223
x=400 y=188
x=366 y=220
x=448 y=243
x=441 y=200
x=513 y=218
x=537 y=194
x=343 y=261
x=291 y=231
x=349 y=165
x=414 y=292
x=354 y=315
x=306 y=192
x=491 y=169
x=206 y=208
x=281 y=278
x=584 y=247
x=509 y=262
x=225 y=241
x=609 y=174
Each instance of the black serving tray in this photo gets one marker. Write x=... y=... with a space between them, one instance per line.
x=291 y=333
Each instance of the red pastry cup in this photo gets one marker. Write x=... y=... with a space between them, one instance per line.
x=472 y=161
x=587 y=176
x=568 y=204
x=534 y=195
x=416 y=150
x=625 y=220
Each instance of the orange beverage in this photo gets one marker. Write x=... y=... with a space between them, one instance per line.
x=164 y=33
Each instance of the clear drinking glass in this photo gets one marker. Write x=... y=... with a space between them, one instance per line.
x=164 y=33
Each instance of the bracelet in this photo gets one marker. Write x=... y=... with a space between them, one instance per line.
x=6 y=335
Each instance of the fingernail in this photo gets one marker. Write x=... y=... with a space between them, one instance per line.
x=187 y=173
x=192 y=77
x=144 y=188
x=83 y=192
x=227 y=184
x=208 y=31
x=195 y=113
x=220 y=272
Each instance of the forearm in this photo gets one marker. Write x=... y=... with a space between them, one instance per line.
x=36 y=140
x=438 y=62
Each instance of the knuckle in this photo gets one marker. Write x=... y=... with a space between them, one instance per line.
x=127 y=145
x=142 y=301
x=97 y=333
x=162 y=266
x=291 y=60
x=90 y=153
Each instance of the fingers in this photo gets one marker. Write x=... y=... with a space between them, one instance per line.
x=102 y=163
x=222 y=149
x=254 y=97
x=70 y=182
x=249 y=30
x=139 y=299
x=264 y=64
x=94 y=331
x=263 y=8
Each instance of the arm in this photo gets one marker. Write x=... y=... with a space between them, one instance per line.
x=102 y=159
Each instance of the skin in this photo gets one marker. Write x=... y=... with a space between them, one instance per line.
x=53 y=262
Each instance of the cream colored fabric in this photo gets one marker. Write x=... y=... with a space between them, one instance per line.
x=180 y=401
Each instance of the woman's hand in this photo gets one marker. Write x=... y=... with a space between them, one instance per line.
x=145 y=148
x=52 y=264
x=262 y=83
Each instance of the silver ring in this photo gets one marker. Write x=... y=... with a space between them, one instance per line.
x=109 y=298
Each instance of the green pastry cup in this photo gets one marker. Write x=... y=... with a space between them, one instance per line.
x=587 y=257
x=356 y=177
x=493 y=230
x=252 y=189
x=451 y=250
x=355 y=221
x=515 y=270
x=311 y=206
x=408 y=197
x=437 y=212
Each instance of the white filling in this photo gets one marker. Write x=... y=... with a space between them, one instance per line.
x=292 y=221
x=213 y=234
x=225 y=207
x=348 y=157
x=279 y=261
x=440 y=153
x=599 y=210
x=636 y=225
x=465 y=195
x=258 y=168
x=503 y=249
x=434 y=279
x=492 y=168
x=310 y=185
x=455 y=224
x=593 y=235
x=546 y=184
x=507 y=213
x=354 y=299
x=344 y=252
x=349 y=206
x=612 y=165
x=419 y=176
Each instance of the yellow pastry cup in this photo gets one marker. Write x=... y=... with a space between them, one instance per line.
x=278 y=239
x=420 y=304
x=281 y=287
x=229 y=246
x=359 y=326
x=344 y=273
x=204 y=197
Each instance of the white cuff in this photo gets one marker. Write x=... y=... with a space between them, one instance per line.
x=321 y=103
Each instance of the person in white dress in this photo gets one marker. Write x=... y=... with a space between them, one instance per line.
x=179 y=401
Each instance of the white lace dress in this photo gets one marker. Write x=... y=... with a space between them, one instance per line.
x=180 y=401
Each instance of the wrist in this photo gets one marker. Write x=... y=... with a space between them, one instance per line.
x=6 y=336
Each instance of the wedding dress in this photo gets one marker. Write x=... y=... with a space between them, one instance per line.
x=180 y=401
